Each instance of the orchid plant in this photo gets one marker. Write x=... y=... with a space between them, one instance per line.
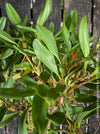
x=52 y=76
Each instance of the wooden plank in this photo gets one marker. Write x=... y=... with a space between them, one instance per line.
x=83 y=8
x=94 y=121
x=12 y=127
x=96 y=20
x=21 y=6
x=93 y=124
x=55 y=16
x=0 y=9
x=2 y=130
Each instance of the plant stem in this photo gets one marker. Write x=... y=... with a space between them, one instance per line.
x=3 y=101
x=66 y=118
x=30 y=63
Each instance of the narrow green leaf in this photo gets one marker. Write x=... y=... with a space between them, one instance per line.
x=47 y=37
x=23 y=66
x=27 y=81
x=6 y=54
x=6 y=37
x=15 y=60
x=25 y=21
x=15 y=93
x=12 y=14
x=35 y=132
x=45 y=12
x=39 y=114
x=25 y=28
x=8 y=41
x=2 y=22
x=29 y=52
x=30 y=99
x=44 y=76
x=85 y=98
x=57 y=118
x=22 y=123
x=45 y=56
x=84 y=37
x=71 y=21
x=51 y=27
x=10 y=82
x=7 y=118
x=82 y=115
x=74 y=110
x=91 y=86
x=2 y=112
x=66 y=35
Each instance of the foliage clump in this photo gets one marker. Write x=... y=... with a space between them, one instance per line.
x=43 y=74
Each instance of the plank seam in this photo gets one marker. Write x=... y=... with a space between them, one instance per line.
x=92 y=17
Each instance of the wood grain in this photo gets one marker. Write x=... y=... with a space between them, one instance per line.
x=96 y=20
x=12 y=127
x=2 y=130
x=83 y=7
x=55 y=15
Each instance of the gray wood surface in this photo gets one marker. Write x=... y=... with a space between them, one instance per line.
x=2 y=130
x=96 y=20
x=55 y=15
x=83 y=7
x=12 y=127
x=93 y=125
x=21 y=6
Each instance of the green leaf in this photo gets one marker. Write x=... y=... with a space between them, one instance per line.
x=22 y=123
x=29 y=52
x=6 y=37
x=27 y=81
x=25 y=21
x=44 y=76
x=82 y=115
x=2 y=112
x=23 y=66
x=91 y=86
x=30 y=99
x=66 y=35
x=57 y=118
x=15 y=60
x=25 y=28
x=6 y=54
x=51 y=27
x=39 y=114
x=45 y=12
x=85 y=98
x=43 y=89
x=45 y=56
x=12 y=14
x=47 y=37
x=71 y=21
x=2 y=22
x=35 y=132
x=49 y=93
x=10 y=82
x=7 y=118
x=15 y=93
x=74 y=109
x=84 y=37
